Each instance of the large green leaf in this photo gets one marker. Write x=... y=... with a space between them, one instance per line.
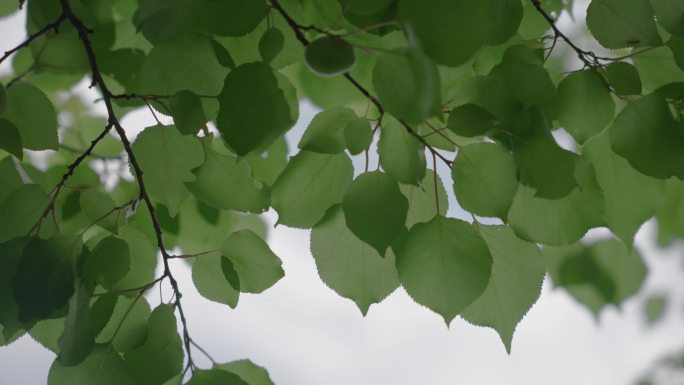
x=325 y=133
x=330 y=56
x=161 y=356
x=349 y=266
x=542 y=164
x=670 y=14
x=102 y=367
x=162 y=20
x=225 y=182
x=185 y=63
x=624 y=78
x=211 y=282
x=44 y=281
x=585 y=106
x=631 y=198
x=444 y=264
x=505 y=17
x=10 y=139
x=620 y=24
x=11 y=253
x=407 y=84
x=670 y=214
x=485 y=180
x=402 y=156
x=215 y=377
x=596 y=275
x=257 y=267
x=167 y=159
x=450 y=31
x=308 y=186
x=78 y=338
x=646 y=134
x=21 y=211
x=423 y=201
x=248 y=371
x=559 y=221
x=358 y=135
x=253 y=109
x=108 y=262
x=132 y=315
x=515 y=285
x=34 y=116
x=143 y=257
x=186 y=109
x=375 y=209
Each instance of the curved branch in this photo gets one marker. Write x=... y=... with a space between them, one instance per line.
x=98 y=80
x=52 y=26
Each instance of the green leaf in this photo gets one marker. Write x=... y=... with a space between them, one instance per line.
x=44 y=281
x=358 y=135
x=559 y=221
x=211 y=282
x=166 y=158
x=402 y=156
x=48 y=331
x=256 y=265
x=99 y=208
x=504 y=19
x=78 y=339
x=108 y=262
x=11 y=181
x=161 y=356
x=225 y=182
x=308 y=186
x=542 y=163
x=585 y=106
x=670 y=15
x=619 y=24
x=365 y=7
x=186 y=109
x=646 y=134
x=444 y=264
x=248 y=371
x=101 y=312
x=102 y=367
x=187 y=63
x=596 y=275
x=670 y=214
x=3 y=99
x=631 y=198
x=270 y=44
x=485 y=181
x=34 y=116
x=266 y=166
x=251 y=98
x=375 y=209
x=422 y=206
x=450 y=31
x=330 y=56
x=526 y=83
x=349 y=266
x=515 y=285
x=215 y=377
x=676 y=45
x=133 y=332
x=162 y=20
x=11 y=253
x=143 y=258
x=407 y=84
x=325 y=133
x=470 y=120
x=10 y=140
x=624 y=78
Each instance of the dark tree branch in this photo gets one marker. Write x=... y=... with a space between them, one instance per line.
x=52 y=26
x=297 y=29
x=98 y=80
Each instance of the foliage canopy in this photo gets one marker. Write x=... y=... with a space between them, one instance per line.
x=471 y=90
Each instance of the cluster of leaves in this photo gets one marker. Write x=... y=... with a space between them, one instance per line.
x=470 y=84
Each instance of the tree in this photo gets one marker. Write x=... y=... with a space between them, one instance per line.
x=466 y=86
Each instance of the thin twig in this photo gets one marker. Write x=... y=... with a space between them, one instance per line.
x=52 y=26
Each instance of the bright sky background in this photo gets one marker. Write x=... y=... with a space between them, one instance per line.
x=305 y=334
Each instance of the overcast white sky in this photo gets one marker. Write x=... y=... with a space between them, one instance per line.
x=305 y=334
